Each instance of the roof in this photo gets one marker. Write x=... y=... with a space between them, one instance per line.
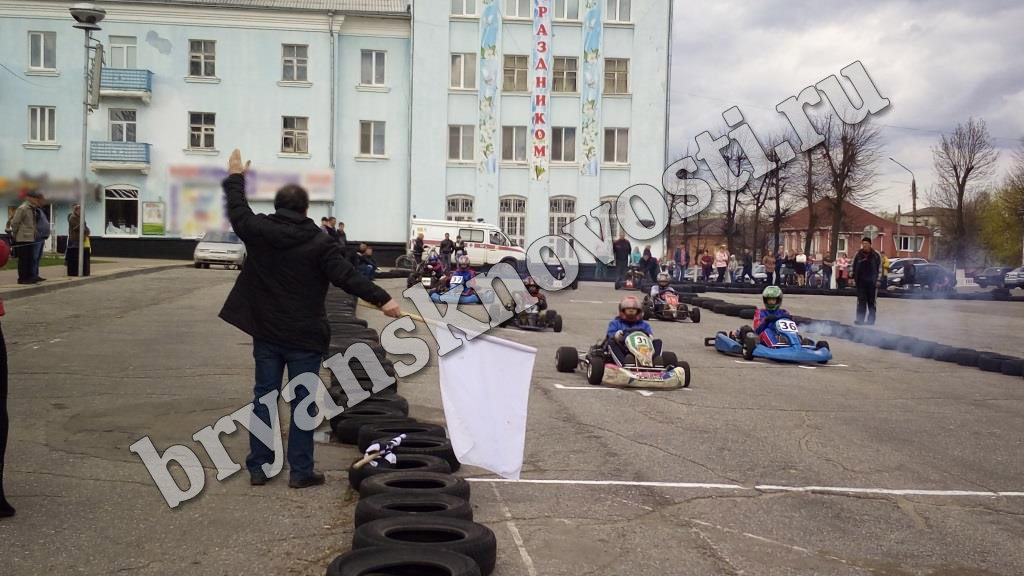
x=393 y=7
x=930 y=211
x=710 y=225
x=855 y=220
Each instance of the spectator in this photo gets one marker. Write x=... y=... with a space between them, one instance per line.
x=634 y=258
x=332 y=228
x=278 y=299
x=23 y=235
x=769 y=267
x=883 y=284
x=367 y=265
x=867 y=266
x=686 y=261
x=342 y=237
x=800 y=269
x=679 y=259
x=446 y=248
x=648 y=264
x=748 y=266
x=42 y=234
x=6 y=509
x=71 y=253
x=417 y=248
x=780 y=261
x=325 y=225
x=826 y=270
x=842 y=270
x=460 y=247
x=721 y=262
x=621 y=250
x=706 y=265
x=734 y=268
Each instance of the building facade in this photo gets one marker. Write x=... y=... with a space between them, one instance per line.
x=377 y=107
x=894 y=239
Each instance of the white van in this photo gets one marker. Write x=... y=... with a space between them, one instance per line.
x=485 y=243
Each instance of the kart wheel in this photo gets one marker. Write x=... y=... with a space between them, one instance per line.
x=567 y=359
x=695 y=315
x=686 y=369
x=822 y=344
x=556 y=324
x=669 y=359
x=749 y=343
x=595 y=369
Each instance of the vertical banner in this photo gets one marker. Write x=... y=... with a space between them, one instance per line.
x=540 y=129
x=489 y=82
x=593 y=83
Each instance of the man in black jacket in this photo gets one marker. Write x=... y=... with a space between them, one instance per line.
x=621 y=250
x=278 y=299
x=446 y=248
x=865 y=271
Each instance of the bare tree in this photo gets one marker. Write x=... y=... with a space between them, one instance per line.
x=848 y=156
x=964 y=160
x=738 y=162
x=769 y=187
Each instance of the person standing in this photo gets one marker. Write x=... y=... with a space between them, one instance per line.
x=826 y=270
x=23 y=235
x=6 y=510
x=884 y=283
x=867 y=266
x=706 y=265
x=278 y=299
x=679 y=258
x=721 y=262
x=769 y=268
x=734 y=268
x=342 y=237
x=800 y=268
x=332 y=228
x=446 y=248
x=621 y=249
x=460 y=247
x=71 y=253
x=42 y=235
x=842 y=269
x=418 y=248
x=748 y=266
x=780 y=261
x=325 y=225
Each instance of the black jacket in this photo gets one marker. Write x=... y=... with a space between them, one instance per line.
x=447 y=246
x=621 y=249
x=865 y=269
x=279 y=295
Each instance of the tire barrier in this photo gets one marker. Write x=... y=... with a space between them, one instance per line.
x=402 y=560
x=688 y=287
x=431 y=533
x=369 y=433
x=395 y=505
x=418 y=462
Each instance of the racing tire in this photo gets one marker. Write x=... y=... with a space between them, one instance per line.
x=414 y=482
x=905 y=345
x=944 y=353
x=618 y=284
x=747 y=313
x=432 y=532
x=669 y=359
x=686 y=370
x=370 y=432
x=427 y=445
x=890 y=343
x=346 y=425
x=418 y=462
x=406 y=505
x=748 y=344
x=567 y=359
x=991 y=362
x=695 y=315
x=198 y=264
x=966 y=357
x=595 y=370
x=923 y=349
x=398 y=559
x=556 y=324
x=1012 y=367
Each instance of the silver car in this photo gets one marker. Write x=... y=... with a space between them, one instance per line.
x=1014 y=278
x=222 y=248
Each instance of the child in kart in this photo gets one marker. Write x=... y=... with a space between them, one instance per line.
x=521 y=300
x=461 y=276
x=662 y=286
x=764 y=318
x=630 y=319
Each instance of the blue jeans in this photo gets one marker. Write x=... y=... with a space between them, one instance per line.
x=271 y=360
x=38 y=257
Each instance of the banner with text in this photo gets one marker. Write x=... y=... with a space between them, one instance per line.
x=540 y=128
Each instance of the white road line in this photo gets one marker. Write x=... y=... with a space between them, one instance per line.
x=763 y=487
x=561 y=387
x=806 y=367
x=645 y=393
x=589 y=302
x=527 y=561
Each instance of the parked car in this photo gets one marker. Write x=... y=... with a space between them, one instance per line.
x=486 y=244
x=896 y=270
x=934 y=277
x=1014 y=278
x=760 y=274
x=223 y=248
x=992 y=276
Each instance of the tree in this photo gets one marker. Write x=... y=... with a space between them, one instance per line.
x=1000 y=228
x=964 y=162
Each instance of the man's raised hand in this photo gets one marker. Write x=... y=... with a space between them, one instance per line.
x=235 y=165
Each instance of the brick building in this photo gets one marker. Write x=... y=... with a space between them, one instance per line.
x=894 y=239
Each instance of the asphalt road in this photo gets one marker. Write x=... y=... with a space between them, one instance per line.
x=97 y=367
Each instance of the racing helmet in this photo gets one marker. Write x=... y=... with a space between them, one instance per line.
x=432 y=259
x=663 y=279
x=531 y=285
x=630 y=309
x=772 y=297
x=463 y=262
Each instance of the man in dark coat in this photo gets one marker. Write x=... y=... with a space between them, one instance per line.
x=866 y=269
x=278 y=299
x=621 y=249
x=447 y=247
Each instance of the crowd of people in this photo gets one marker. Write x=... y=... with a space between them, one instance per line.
x=29 y=228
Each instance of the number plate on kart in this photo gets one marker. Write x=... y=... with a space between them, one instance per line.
x=455 y=280
x=785 y=326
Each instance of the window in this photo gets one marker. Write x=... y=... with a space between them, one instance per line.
x=371 y=138
x=372 y=73
x=464 y=71
x=616 y=145
x=515 y=73
x=567 y=10
x=613 y=221
x=561 y=212
x=123 y=51
x=201 y=129
x=42 y=124
x=906 y=243
x=563 y=144
x=512 y=218
x=122 y=125
x=460 y=143
x=565 y=74
x=460 y=209
x=616 y=76
x=513 y=143
x=201 y=58
x=841 y=245
x=42 y=50
x=618 y=11
x=121 y=207
x=471 y=235
x=294 y=135
x=518 y=9
x=295 y=63
x=463 y=7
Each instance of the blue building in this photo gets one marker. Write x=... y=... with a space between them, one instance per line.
x=382 y=109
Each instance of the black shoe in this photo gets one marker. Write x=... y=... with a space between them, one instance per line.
x=6 y=510
x=40 y=279
x=858 y=322
x=28 y=282
x=314 y=479
x=257 y=478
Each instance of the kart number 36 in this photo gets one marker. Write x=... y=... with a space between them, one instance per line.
x=786 y=326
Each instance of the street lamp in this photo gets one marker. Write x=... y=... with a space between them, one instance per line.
x=87 y=17
x=913 y=196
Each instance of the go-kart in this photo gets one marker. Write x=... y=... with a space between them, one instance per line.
x=646 y=366
x=781 y=342
x=633 y=278
x=534 y=320
x=666 y=306
x=453 y=296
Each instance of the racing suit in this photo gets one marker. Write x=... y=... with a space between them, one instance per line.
x=765 y=319
x=466 y=275
x=617 y=348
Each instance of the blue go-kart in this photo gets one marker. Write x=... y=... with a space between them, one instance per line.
x=781 y=342
x=454 y=296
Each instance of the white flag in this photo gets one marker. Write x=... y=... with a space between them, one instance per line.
x=485 y=389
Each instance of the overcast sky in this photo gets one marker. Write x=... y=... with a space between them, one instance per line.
x=937 y=61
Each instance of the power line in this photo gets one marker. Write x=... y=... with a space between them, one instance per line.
x=19 y=76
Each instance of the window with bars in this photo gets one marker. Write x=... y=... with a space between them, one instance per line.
x=516 y=73
x=42 y=124
x=463 y=71
x=618 y=11
x=906 y=243
x=518 y=9
x=564 y=74
x=202 y=58
x=42 y=50
x=563 y=144
x=613 y=222
x=463 y=8
x=561 y=211
x=513 y=143
x=123 y=52
x=512 y=218
x=460 y=209
x=616 y=145
x=122 y=125
x=372 y=67
x=295 y=63
x=460 y=142
x=121 y=211
x=202 y=126
x=567 y=10
x=295 y=135
x=616 y=76
x=371 y=138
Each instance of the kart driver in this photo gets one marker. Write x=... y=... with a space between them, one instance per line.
x=765 y=318
x=630 y=319
x=534 y=289
x=662 y=286
x=464 y=274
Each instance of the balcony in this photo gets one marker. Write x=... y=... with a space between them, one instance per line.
x=126 y=83
x=129 y=156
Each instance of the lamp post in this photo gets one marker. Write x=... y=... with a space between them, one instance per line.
x=913 y=197
x=87 y=17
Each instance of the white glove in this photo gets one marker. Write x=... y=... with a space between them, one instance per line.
x=619 y=335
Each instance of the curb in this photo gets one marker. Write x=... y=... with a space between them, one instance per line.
x=37 y=290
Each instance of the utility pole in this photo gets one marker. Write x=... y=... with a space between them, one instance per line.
x=87 y=17
x=913 y=197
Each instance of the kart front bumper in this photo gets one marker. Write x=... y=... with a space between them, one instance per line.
x=796 y=354
x=619 y=377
